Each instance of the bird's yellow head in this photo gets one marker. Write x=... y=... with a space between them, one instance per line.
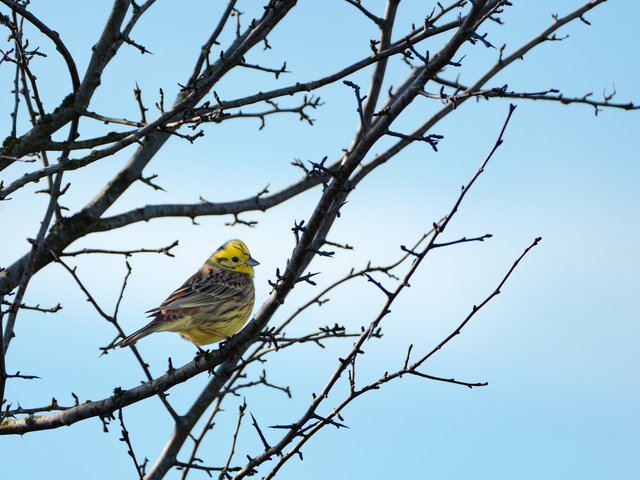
x=234 y=255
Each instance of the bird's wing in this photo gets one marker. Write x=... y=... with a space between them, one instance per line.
x=202 y=289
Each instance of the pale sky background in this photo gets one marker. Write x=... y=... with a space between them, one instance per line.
x=559 y=347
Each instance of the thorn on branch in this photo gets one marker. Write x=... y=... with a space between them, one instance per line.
x=448 y=380
x=496 y=19
x=189 y=138
x=149 y=181
x=297 y=229
x=411 y=252
x=236 y=13
x=298 y=163
x=289 y=426
x=424 y=58
x=463 y=240
x=335 y=210
x=275 y=71
x=432 y=139
x=270 y=337
x=16 y=159
x=329 y=421
x=160 y=102
x=356 y=88
x=263 y=381
x=390 y=94
x=105 y=422
x=238 y=221
x=134 y=44
x=279 y=278
x=337 y=330
x=321 y=253
x=137 y=93
x=263 y=192
x=377 y=284
x=584 y=20
x=406 y=58
x=373 y=44
x=406 y=360
x=323 y=172
x=345 y=246
x=556 y=38
x=307 y=278
x=170 y=367
x=475 y=38
x=24 y=377
x=260 y=434
x=457 y=63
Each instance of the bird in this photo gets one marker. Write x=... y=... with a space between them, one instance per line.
x=212 y=305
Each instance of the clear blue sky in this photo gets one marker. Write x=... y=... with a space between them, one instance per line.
x=559 y=347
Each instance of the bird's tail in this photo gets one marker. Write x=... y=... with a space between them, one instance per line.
x=135 y=336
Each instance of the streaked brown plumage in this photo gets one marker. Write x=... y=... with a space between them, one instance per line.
x=212 y=305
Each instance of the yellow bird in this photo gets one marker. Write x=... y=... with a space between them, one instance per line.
x=212 y=305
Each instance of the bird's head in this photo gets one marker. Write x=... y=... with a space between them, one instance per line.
x=234 y=255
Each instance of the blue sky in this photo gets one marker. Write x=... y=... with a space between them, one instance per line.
x=559 y=347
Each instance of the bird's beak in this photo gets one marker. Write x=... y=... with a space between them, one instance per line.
x=251 y=262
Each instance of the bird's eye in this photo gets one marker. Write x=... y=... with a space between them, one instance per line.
x=235 y=259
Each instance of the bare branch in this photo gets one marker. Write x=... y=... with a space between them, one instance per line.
x=52 y=35
x=477 y=308
x=552 y=95
x=126 y=439
x=127 y=253
x=241 y=411
x=37 y=308
x=213 y=40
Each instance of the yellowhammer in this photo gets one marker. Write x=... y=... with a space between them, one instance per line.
x=212 y=305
